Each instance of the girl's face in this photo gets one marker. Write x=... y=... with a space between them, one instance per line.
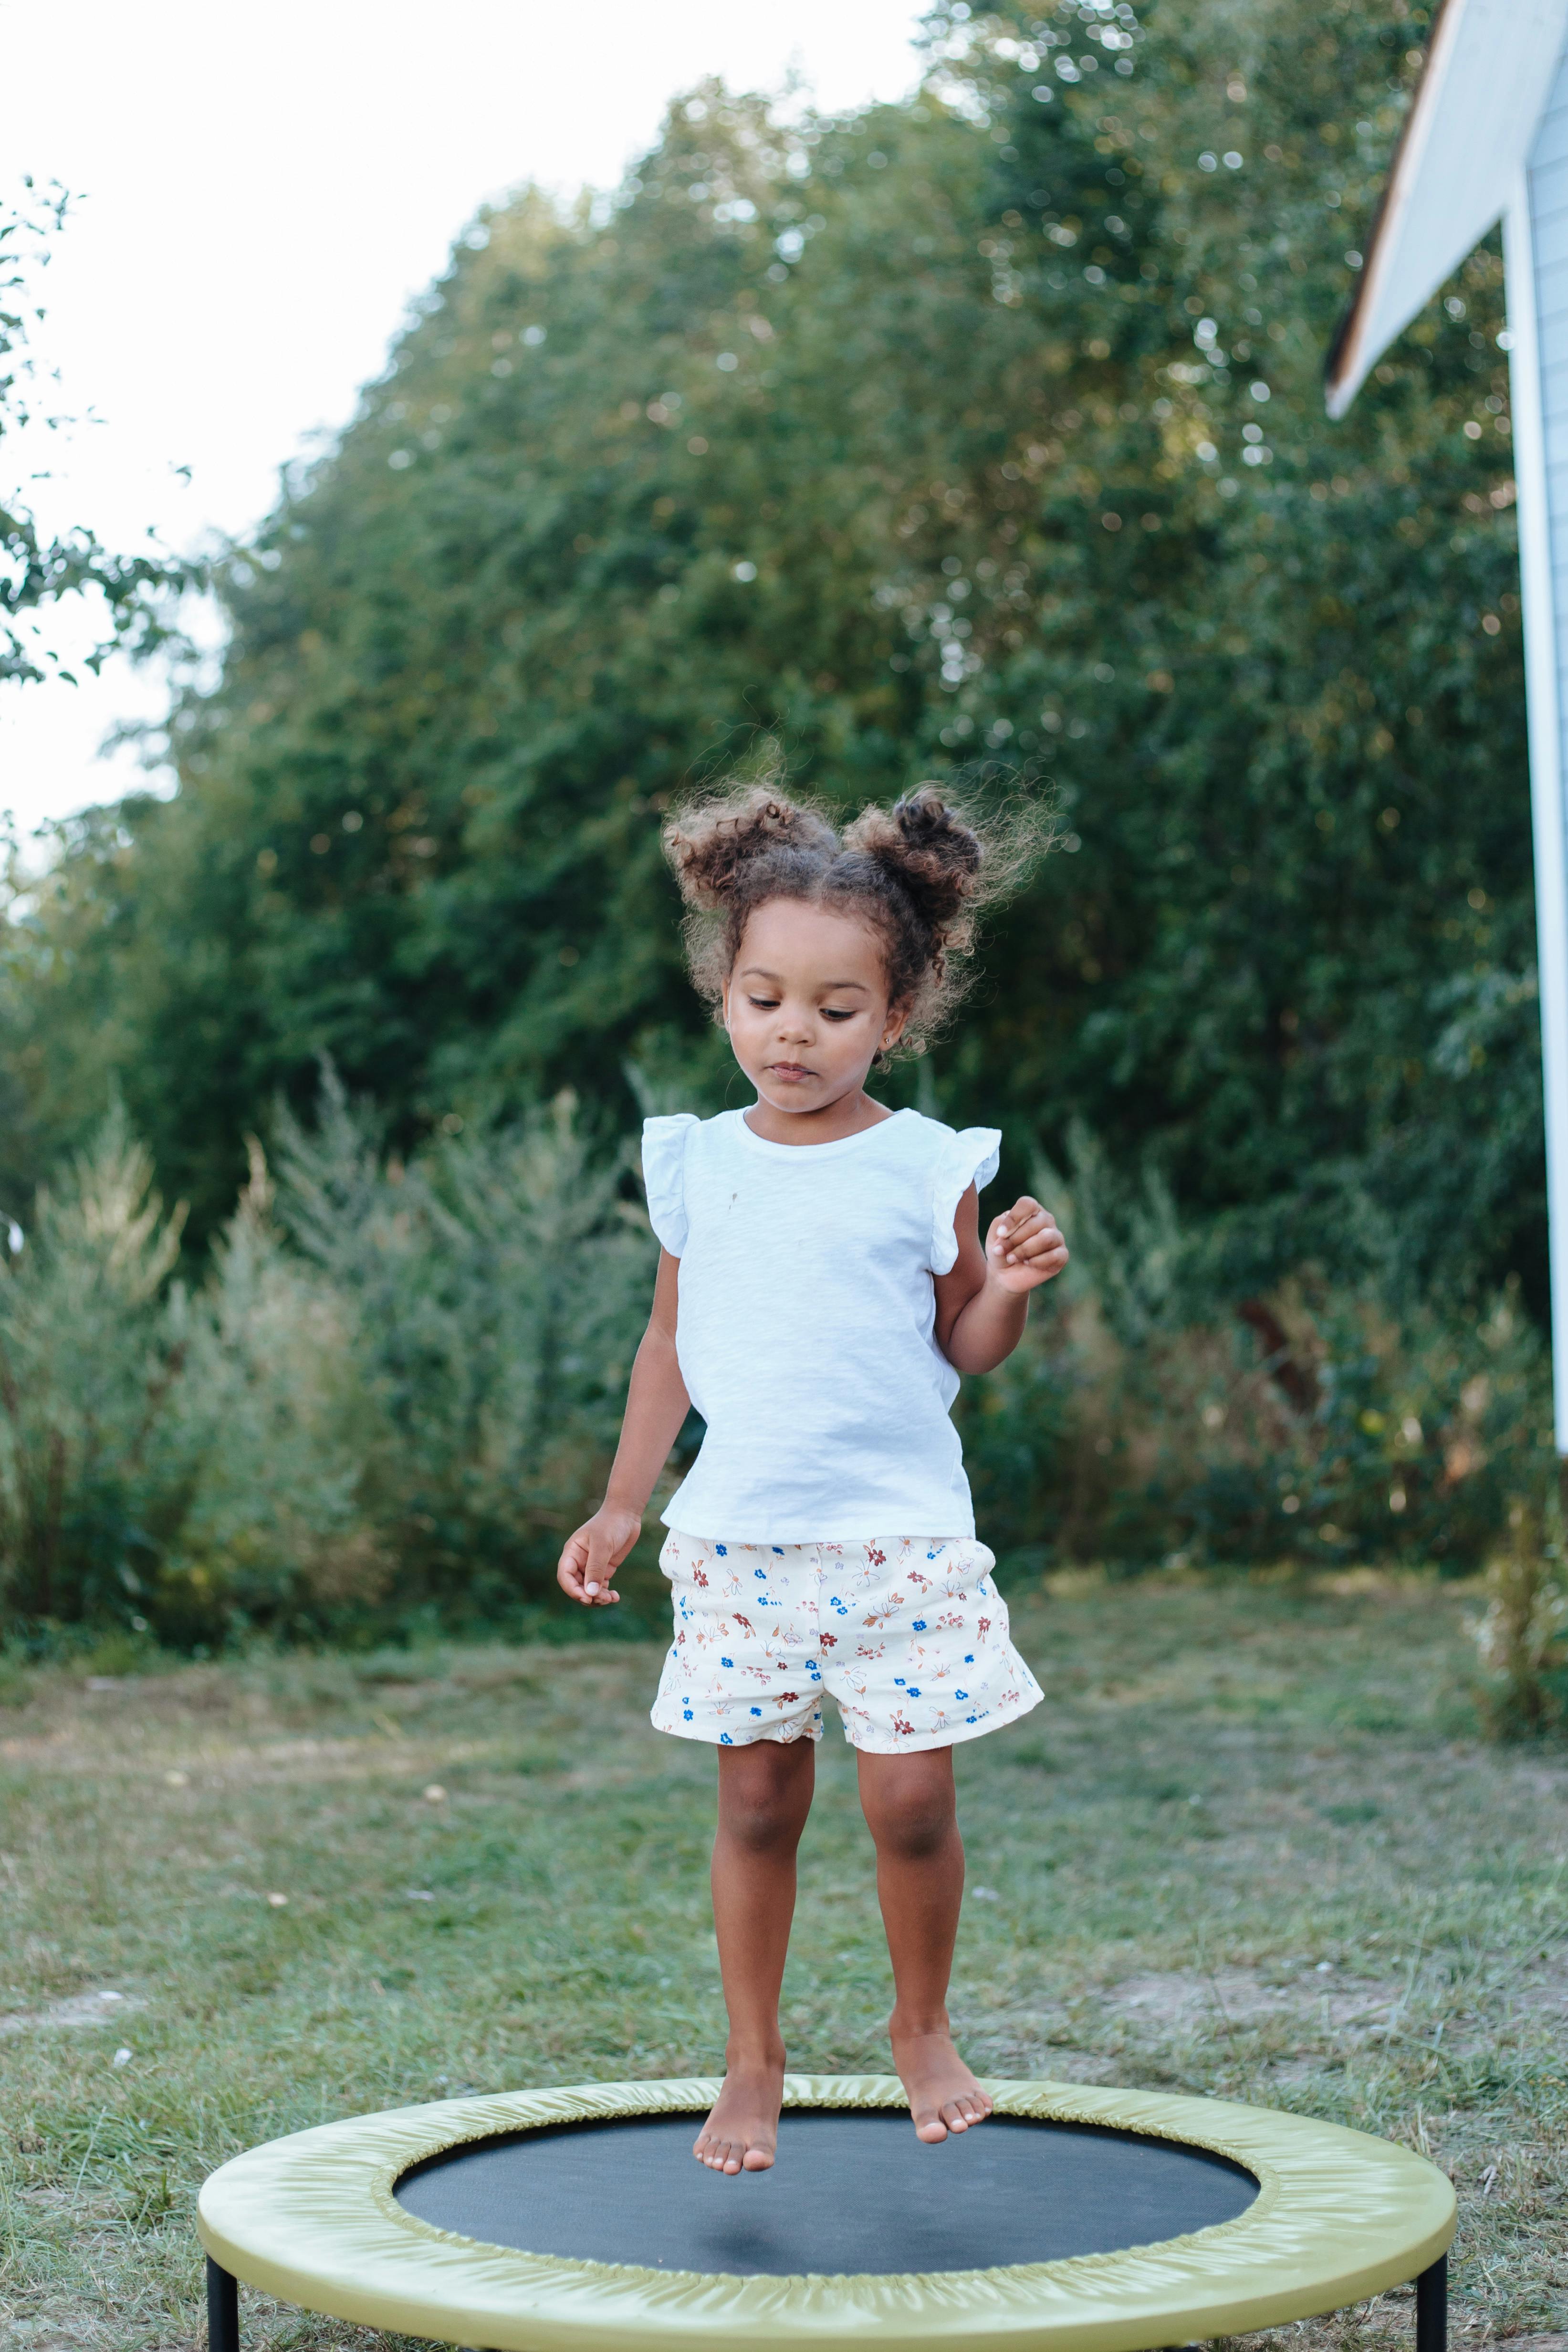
x=806 y=1004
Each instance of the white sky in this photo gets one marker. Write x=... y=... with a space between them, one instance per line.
x=261 y=191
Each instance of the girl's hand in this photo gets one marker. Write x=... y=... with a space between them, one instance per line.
x=595 y=1552
x=1024 y=1247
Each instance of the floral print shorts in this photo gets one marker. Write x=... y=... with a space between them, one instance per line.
x=908 y=1636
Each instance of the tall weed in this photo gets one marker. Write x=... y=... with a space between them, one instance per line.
x=395 y=1389
x=277 y=1533
x=1160 y=1417
x=97 y=1463
x=396 y=1386
x=494 y=1292
x=1523 y=1639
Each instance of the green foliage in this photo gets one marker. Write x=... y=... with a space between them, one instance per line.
x=186 y=1463
x=1301 y=774
x=399 y=1385
x=93 y=1462
x=1523 y=1639
x=36 y=571
x=405 y=1408
x=493 y=1294
x=979 y=437
x=1143 y=1418
x=276 y=1532
x=916 y=441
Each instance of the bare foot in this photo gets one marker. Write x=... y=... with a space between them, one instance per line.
x=943 y=2094
x=743 y=2131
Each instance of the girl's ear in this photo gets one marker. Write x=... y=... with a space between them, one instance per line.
x=896 y=1022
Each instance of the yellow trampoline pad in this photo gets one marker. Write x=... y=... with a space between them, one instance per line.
x=501 y=2222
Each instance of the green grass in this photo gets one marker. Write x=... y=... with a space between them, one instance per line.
x=1251 y=1846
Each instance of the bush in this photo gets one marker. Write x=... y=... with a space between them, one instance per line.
x=395 y=1390
x=494 y=1293
x=1523 y=1637
x=97 y=1463
x=399 y=1385
x=1149 y=1415
x=277 y=1532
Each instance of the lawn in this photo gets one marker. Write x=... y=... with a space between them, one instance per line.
x=1252 y=1845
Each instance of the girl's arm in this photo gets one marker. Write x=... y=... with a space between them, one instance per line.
x=982 y=1302
x=656 y=1406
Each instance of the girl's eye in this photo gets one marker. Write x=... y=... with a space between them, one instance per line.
x=837 y=1013
x=763 y=1003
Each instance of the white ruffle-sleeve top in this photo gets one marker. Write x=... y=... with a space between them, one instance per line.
x=806 y=1329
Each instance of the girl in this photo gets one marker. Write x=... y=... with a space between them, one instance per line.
x=821 y=1286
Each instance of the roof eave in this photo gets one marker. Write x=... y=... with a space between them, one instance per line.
x=1349 y=362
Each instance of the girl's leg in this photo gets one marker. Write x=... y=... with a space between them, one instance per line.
x=764 y=1796
x=911 y=1807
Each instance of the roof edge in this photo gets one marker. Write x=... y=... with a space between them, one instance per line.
x=1348 y=363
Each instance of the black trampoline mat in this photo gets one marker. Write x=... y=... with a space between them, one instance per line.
x=852 y=2191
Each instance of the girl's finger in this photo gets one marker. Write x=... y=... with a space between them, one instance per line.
x=1027 y=1238
x=1044 y=1260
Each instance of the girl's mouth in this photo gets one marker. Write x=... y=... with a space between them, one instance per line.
x=793 y=1071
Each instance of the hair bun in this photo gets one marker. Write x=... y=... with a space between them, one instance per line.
x=934 y=854
x=710 y=846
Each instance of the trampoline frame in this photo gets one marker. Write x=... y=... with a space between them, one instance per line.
x=1340 y=2216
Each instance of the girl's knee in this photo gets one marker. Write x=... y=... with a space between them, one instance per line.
x=909 y=1806
x=764 y=1794
x=913 y=1830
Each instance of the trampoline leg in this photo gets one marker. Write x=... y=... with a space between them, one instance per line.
x=1432 y=2308
x=223 y=2309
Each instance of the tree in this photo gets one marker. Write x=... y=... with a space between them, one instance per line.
x=979 y=437
x=135 y=596
x=37 y=571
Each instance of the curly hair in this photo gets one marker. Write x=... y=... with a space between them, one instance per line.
x=918 y=875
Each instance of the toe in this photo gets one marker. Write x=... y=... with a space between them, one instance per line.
x=758 y=2159
x=930 y=2129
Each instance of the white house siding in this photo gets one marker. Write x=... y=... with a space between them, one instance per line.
x=1536 y=244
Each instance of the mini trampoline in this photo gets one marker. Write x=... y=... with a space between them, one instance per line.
x=1076 y=2220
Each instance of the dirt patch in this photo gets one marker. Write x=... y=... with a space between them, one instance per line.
x=1076 y=2066
x=1543 y=1995
x=1185 y=1998
x=81 y=2008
